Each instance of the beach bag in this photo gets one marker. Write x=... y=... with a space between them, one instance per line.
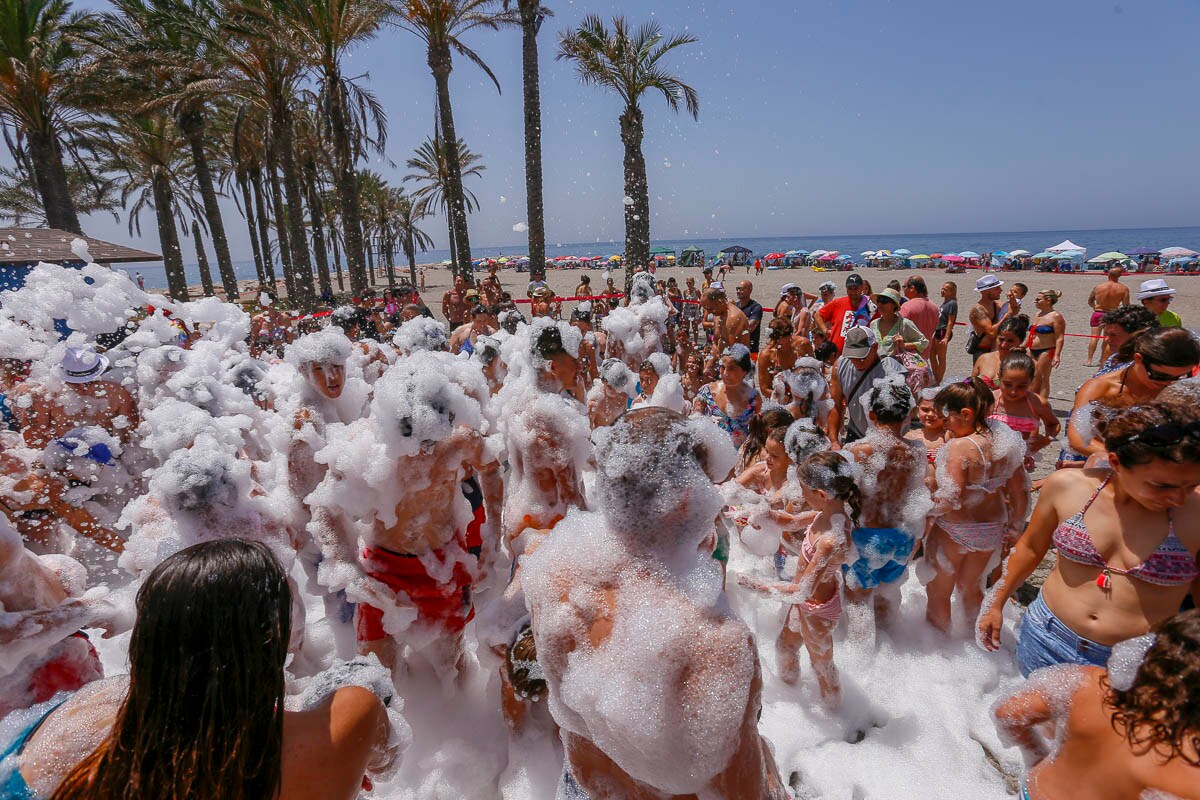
x=919 y=375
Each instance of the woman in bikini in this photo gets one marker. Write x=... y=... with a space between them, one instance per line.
x=981 y=496
x=1154 y=358
x=1046 y=339
x=1022 y=410
x=1127 y=543
x=1010 y=336
x=830 y=490
x=730 y=401
x=1131 y=731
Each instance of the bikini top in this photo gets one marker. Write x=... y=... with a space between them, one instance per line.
x=990 y=485
x=1022 y=425
x=738 y=426
x=1043 y=329
x=1169 y=565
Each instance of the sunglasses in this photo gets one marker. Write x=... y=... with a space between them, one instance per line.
x=1166 y=435
x=1160 y=377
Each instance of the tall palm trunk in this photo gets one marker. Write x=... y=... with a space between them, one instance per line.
x=50 y=178
x=202 y=261
x=248 y=212
x=337 y=258
x=344 y=180
x=263 y=234
x=531 y=20
x=370 y=263
x=440 y=65
x=297 y=240
x=281 y=230
x=192 y=125
x=391 y=262
x=637 y=214
x=316 y=215
x=168 y=238
x=410 y=250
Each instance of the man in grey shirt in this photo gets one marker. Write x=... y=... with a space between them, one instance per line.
x=853 y=376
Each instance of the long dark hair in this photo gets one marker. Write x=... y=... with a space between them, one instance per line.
x=204 y=712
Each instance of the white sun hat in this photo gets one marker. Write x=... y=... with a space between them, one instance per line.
x=988 y=282
x=82 y=365
x=1155 y=287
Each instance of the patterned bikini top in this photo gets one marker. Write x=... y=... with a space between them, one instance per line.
x=1169 y=565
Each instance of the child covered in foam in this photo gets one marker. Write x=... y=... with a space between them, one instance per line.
x=654 y=683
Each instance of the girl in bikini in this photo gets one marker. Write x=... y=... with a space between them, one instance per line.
x=1046 y=339
x=833 y=495
x=730 y=401
x=981 y=495
x=1010 y=336
x=1022 y=410
x=1127 y=542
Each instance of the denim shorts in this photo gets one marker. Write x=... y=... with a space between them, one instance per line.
x=1045 y=641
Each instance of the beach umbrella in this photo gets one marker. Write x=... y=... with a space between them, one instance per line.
x=1019 y=253
x=1176 y=252
x=935 y=255
x=1066 y=245
x=969 y=254
x=902 y=252
x=799 y=252
x=818 y=253
x=882 y=253
x=1044 y=254
x=1065 y=256
x=953 y=259
x=919 y=257
x=1112 y=255
x=1143 y=251
x=867 y=253
x=828 y=257
x=844 y=258
x=773 y=255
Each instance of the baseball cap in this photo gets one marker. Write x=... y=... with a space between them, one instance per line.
x=988 y=282
x=1155 y=287
x=854 y=279
x=859 y=341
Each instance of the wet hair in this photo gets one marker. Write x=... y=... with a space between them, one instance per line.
x=804 y=437
x=1018 y=360
x=779 y=328
x=917 y=284
x=740 y=355
x=1122 y=425
x=346 y=317
x=825 y=351
x=1131 y=318
x=581 y=315
x=487 y=350
x=714 y=294
x=829 y=472
x=1165 y=347
x=761 y=426
x=1160 y=712
x=549 y=343
x=510 y=319
x=203 y=716
x=1053 y=295
x=970 y=393
x=1018 y=325
x=891 y=401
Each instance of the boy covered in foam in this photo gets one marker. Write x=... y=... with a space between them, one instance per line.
x=654 y=683
x=391 y=517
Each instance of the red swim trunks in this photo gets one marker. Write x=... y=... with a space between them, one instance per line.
x=1097 y=316
x=447 y=605
x=74 y=664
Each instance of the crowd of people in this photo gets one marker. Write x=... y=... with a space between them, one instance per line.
x=596 y=505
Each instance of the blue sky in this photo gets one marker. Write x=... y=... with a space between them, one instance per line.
x=831 y=117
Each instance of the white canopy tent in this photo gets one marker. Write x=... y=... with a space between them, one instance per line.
x=1066 y=246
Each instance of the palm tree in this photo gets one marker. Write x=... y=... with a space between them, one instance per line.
x=405 y=218
x=90 y=193
x=38 y=55
x=149 y=150
x=325 y=30
x=441 y=25
x=530 y=14
x=432 y=165
x=628 y=62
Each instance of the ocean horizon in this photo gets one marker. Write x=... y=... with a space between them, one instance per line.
x=1100 y=240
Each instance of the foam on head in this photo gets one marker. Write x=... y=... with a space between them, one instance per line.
x=418 y=402
x=421 y=334
x=328 y=346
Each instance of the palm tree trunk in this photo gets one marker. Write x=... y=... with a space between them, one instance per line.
x=316 y=215
x=202 y=262
x=637 y=214
x=168 y=238
x=248 y=213
x=281 y=233
x=370 y=263
x=440 y=65
x=391 y=262
x=531 y=20
x=263 y=234
x=192 y=126
x=453 y=249
x=345 y=181
x=410 y=251
x=337 y=259
x=297 y=241
x=50 y=178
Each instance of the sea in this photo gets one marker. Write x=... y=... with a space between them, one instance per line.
x=1096 y=242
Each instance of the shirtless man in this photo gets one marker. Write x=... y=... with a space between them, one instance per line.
x=43 y=609
x=270 y=329
x=84 y=400
x=609 y=397
x=454 y=304
x=612 y=618
x=986 y=315
x=593 y=346
x=414 y=570
x=1104 y=298
x=729 y=325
